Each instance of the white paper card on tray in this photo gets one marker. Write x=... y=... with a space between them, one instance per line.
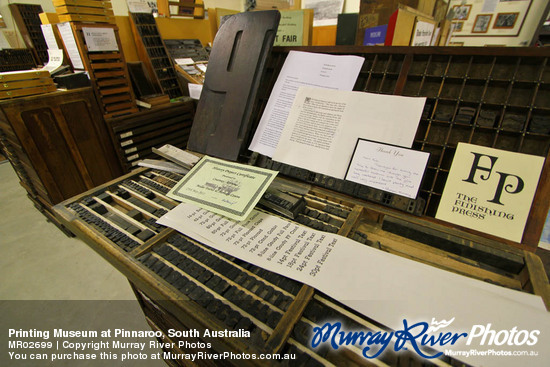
x=195 y=90
x=301 y=69
x=386 y=167
x=100 y=39
x=55 y=60
x=227 y=188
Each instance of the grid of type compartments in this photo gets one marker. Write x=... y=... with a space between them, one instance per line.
x=16 y=59
x=28 y=21
x=233 y=293
x=495 y=101
x=158 y=57
x=380 y=73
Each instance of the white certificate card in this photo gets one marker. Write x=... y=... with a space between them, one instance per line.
x=100 y=39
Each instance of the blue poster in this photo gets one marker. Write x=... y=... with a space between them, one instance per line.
x=375 y=35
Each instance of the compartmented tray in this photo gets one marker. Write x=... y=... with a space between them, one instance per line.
x=182 y=284
x=15 y=59
x=27 y=18
x=152 y=52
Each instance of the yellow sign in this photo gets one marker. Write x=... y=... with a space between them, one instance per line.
x=490 y=190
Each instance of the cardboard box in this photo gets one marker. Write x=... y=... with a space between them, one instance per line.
x=373 y=13
x=402 y=25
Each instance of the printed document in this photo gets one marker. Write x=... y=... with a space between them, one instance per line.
x=323 y=127
x=301 y=69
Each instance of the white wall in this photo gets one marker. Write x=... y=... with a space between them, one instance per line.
x=351 y=6
x=237 y=5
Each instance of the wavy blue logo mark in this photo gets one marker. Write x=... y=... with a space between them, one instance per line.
x=417 y=335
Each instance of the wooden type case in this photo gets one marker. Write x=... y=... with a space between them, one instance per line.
x=26 y=16
x=182 y=284
x=151 y=51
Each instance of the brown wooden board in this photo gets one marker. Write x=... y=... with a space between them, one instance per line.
x=237 y=61
x=26 y=84
x=84 y=10
x=86 y=18
x=90 y=3
x=26 y=91
x=23 y=75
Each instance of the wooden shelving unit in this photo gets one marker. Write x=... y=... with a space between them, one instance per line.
x=108 y=73
x=153 y=54
x=135 y=135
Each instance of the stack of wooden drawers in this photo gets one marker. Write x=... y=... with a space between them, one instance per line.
x=84 y=11
x=25 y=83
x=106 y=66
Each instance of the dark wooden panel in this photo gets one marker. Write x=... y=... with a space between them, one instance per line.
x=53 y=150
x=90 y=142
x=59 y=144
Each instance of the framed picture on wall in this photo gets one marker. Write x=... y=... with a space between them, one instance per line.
x=461 y=12
x=481 y=25
x=506 y=20
x=457 y=26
